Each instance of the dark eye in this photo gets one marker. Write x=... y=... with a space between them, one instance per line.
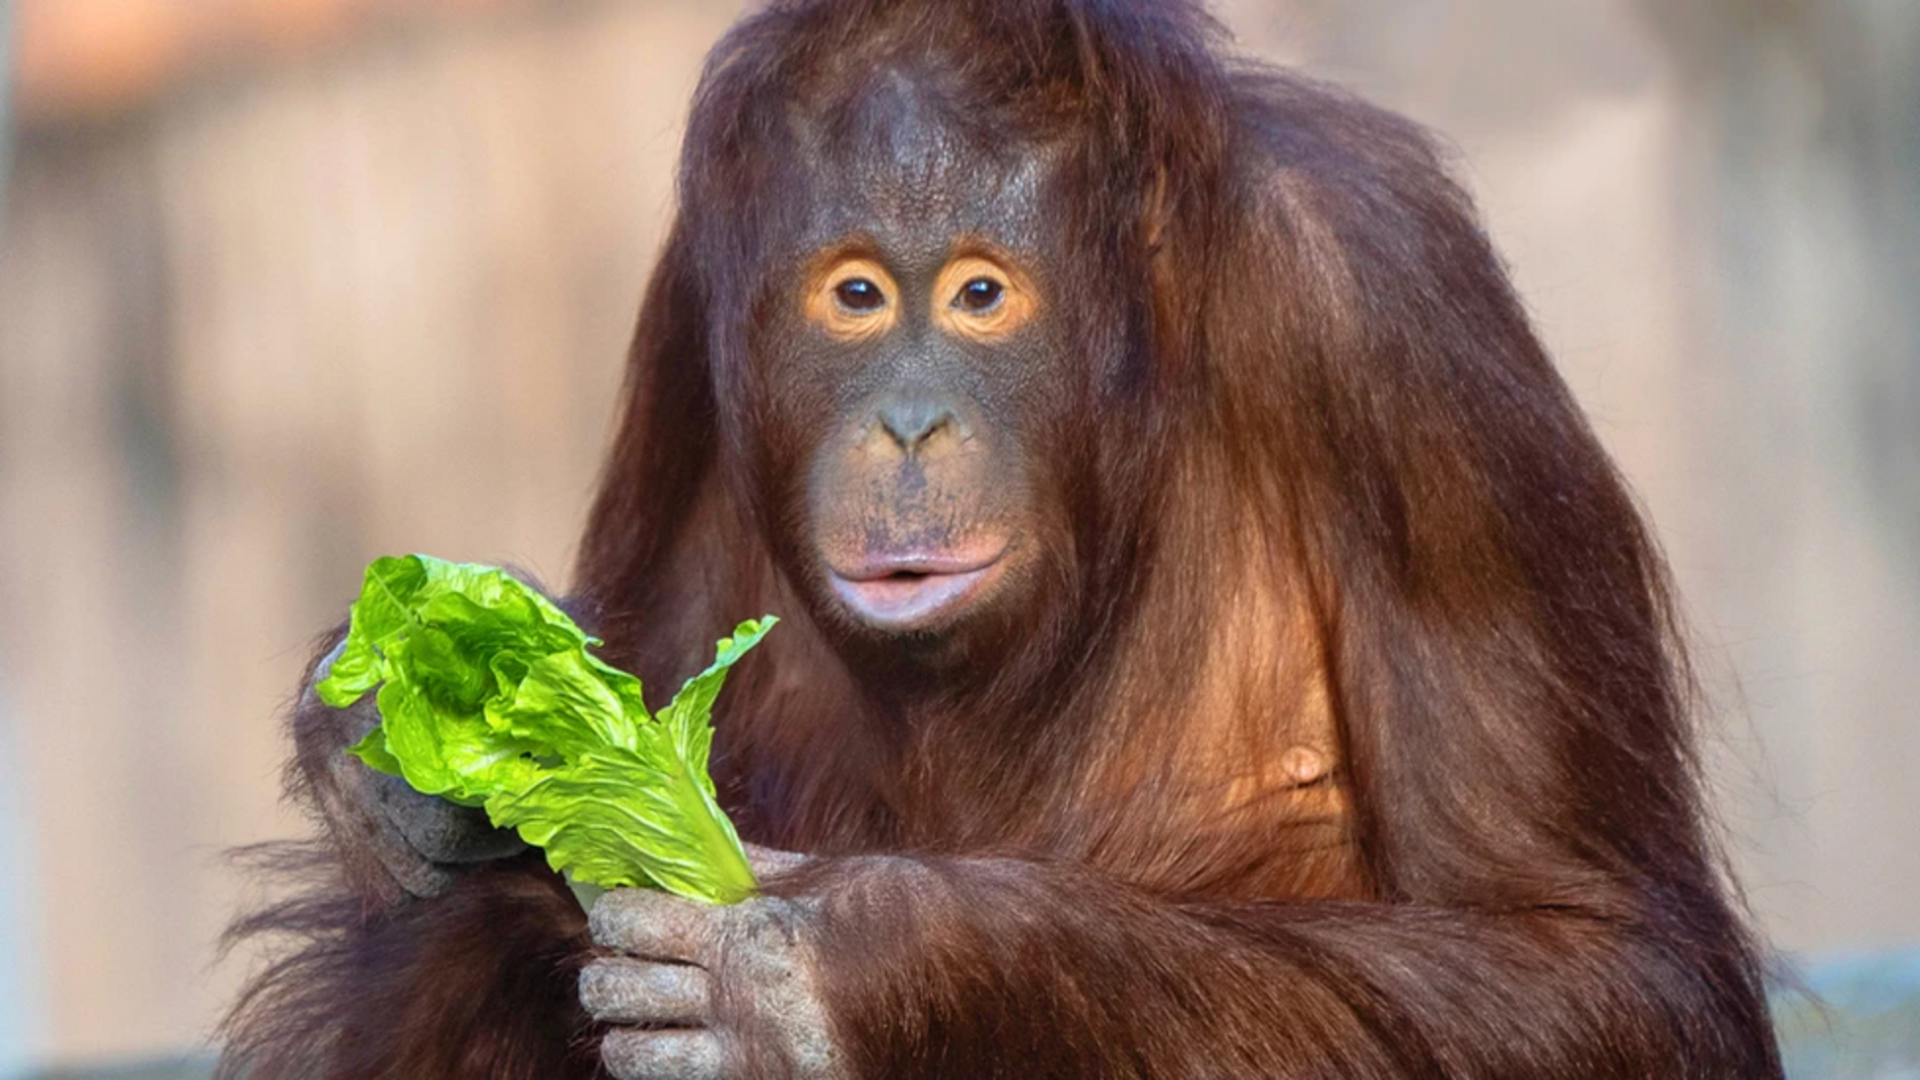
x=981 y=294
x=859 y=294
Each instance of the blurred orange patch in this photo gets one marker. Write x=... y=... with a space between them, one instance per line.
x=96 y=58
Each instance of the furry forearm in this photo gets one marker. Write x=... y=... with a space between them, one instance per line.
x=954 y=967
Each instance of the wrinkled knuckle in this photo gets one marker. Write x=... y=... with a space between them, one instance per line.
x=655 y=924
x=616 y=915
x=603 y=916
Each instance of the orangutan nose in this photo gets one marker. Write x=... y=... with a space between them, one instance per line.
x=912 y=421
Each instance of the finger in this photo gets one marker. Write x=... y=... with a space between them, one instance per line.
x=325 y=667
x=620 y=990
x=768 y=862
x=655 y=925
x=441 y=831
x=672 y=1054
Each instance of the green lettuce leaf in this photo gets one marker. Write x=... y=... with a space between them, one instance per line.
x=489 y=697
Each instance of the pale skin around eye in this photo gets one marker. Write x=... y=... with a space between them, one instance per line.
x=855 y=298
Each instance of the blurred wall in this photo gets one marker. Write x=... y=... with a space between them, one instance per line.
x=19 y=973
x=278 y=318
x=314 y=290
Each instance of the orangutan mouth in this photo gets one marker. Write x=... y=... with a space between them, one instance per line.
x=911 y=590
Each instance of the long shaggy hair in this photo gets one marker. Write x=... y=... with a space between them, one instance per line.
x=1327 y=491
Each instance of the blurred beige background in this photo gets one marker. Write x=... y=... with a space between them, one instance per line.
x=287 y=284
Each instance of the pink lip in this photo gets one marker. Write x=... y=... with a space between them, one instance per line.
x=902 y=591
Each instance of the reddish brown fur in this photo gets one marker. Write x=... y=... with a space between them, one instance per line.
x=1427 y=570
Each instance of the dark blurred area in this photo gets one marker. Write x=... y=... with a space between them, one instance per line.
x=289 y=284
